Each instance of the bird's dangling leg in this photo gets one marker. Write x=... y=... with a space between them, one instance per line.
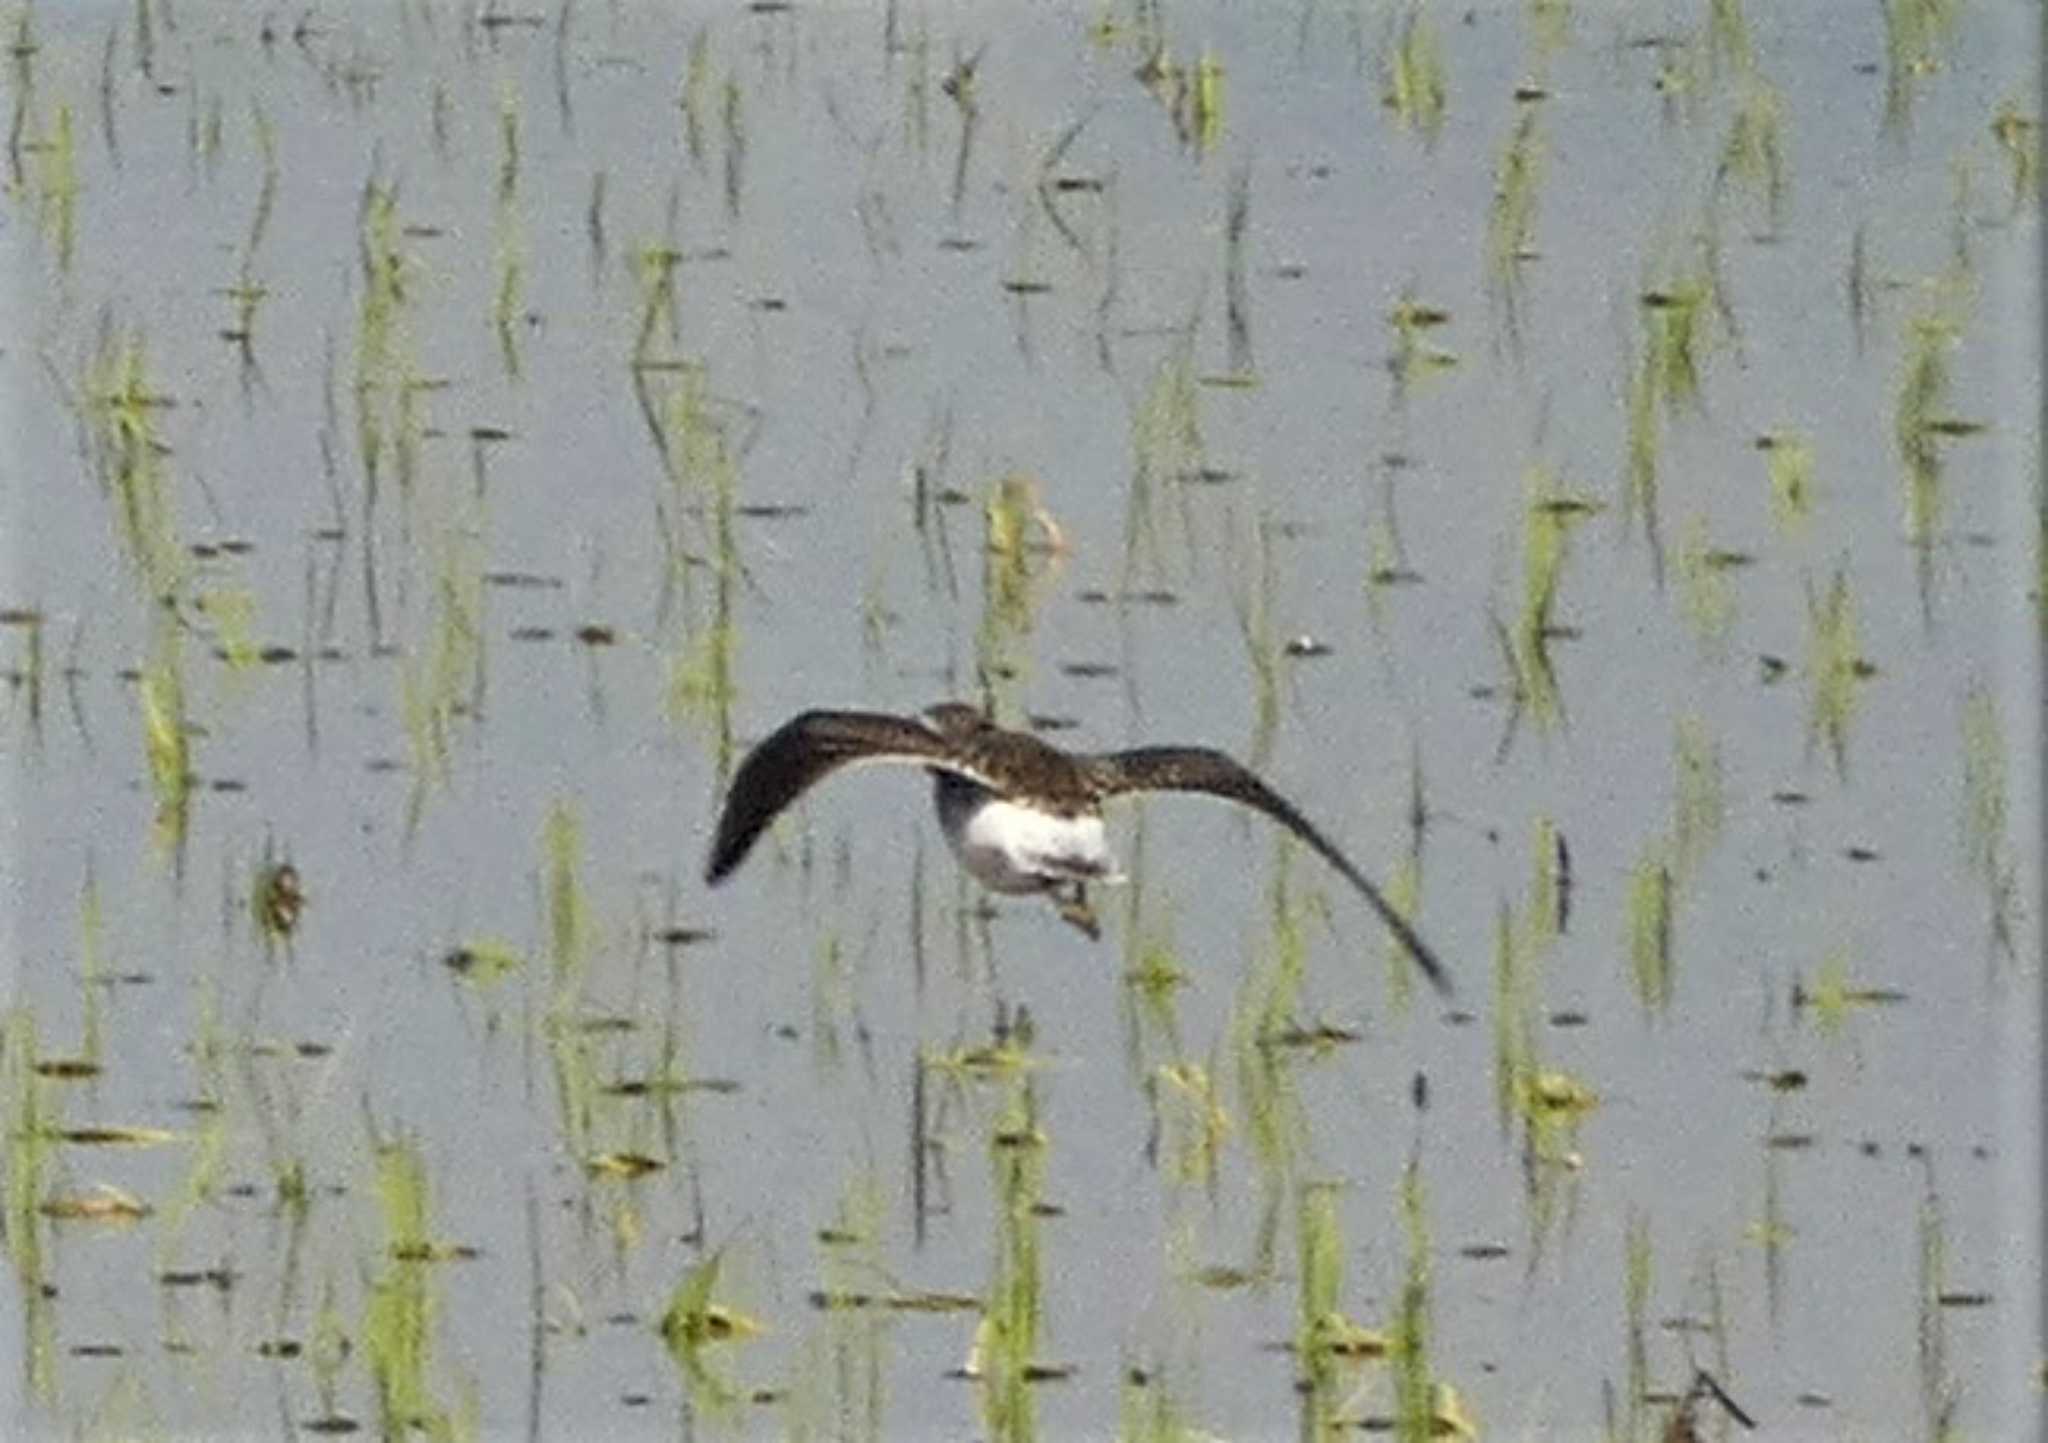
x=1076 y=912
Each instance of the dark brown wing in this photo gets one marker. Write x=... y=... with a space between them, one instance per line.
x=1198 y=769
x=801 y=753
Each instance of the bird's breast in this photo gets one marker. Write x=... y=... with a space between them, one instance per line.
x=1010 y=846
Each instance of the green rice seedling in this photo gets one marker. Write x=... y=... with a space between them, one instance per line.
x=1914 y=33
x=209 y=1050
x=1717 y=1319
x=703 y=475
x=402 y=1202
x=917 y=87
x=1168 y=82
x=857 y=1318
x=54 y=181
x=1639 y=474
x=1650 y=925
x=695 y=99
x=1771 y=1233
x=1753 y=154
x=1675 y=334
x=1387 y=564
x=1319 y=1248
x=129 y=457
x=877 y=619
x=573 y=1062
x=1152 y=984
x=1196 y=1124
x=1552 y=1103
x=328 y=1350
x=734 y=124
x=2038 y=592
x=1148 y=1413
x=1012 y=568
x=1206 y=103
x=1984 y=789
x=1728 y=47
x=92 y=969
x=508 y=246
x=1550 y=27
x=1511 y=218
x=29 y=622
x=2019 y=136
x=1254 y=608
x=436 y=691
x=1403 y=887
x=1549 y=910
x=508 y=141
x=959 y=86
x=265 y=131
x=567 y=906
x=1698 y=805
x=209 y=136
x=386 y=282
x=701 y=686
x=231 y=613
x=1683 y=68
x=1275 y=1122
x=1835 y=668
x=1005 y=1056
x=1514 y=1006
x=1856 y=285
x=1940 y=1388
x=1828 y=999
x=397 y=1329
x=165 y=737
x=247 y=296
x=1166 y=447
x=276 y=1113
x=408 y=434
x=1788 y=463
x=22 y=51
x=1638 y=1264
x=1414 y=357
x=1416 y=1393
x=31 y=1131
x=1923 y=391
x=1548 y=520
x=654 y=269
x=831 y=999
x=1834 y=994
x=1243 y=372
x=483 y=962
x=1704 y=571
x=56 y=187
x=594 y=229
x=1007 y=1340
x=1415 y=84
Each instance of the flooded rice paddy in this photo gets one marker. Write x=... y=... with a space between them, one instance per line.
x=1586 y=455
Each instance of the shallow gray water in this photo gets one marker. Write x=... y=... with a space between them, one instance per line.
x=434 y=438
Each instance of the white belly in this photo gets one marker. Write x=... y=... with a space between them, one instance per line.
x=1011 y=848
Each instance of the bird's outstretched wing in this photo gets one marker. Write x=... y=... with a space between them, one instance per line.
x=802 y=752
x=1199 y=769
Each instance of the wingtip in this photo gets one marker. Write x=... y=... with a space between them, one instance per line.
x=1430 y=965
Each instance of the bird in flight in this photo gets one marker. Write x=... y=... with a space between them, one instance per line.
x=1023 y=816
